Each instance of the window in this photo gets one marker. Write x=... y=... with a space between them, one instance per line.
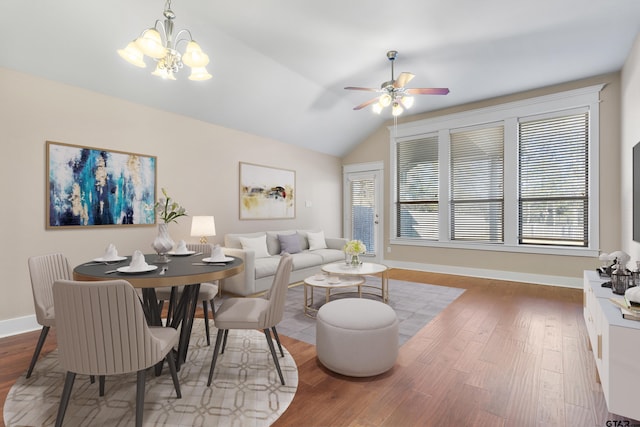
x=477 y=158
x=417 y=208
x=519 y=177
x=554 y=185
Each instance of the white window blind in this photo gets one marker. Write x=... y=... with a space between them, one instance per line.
x=553 y=180
x=362 y=212
x=477 y=184
x=417 y=188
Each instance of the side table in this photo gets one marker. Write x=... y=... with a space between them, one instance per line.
x=328 y=283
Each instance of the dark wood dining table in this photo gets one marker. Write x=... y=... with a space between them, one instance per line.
x=188 y=271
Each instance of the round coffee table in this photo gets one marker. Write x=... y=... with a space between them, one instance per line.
x=364 y=269
x=328 y=283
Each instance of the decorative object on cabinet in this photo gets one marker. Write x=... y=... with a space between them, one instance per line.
x=98 y=187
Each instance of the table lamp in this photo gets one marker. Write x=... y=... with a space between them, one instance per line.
x=203 y=226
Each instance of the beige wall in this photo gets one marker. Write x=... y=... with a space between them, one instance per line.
x=518 y=266
x=197 y=163
x=630 y=136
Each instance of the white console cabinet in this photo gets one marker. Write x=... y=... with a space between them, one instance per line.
x=616 y=347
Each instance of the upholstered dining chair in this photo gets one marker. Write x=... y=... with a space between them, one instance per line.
x=102 y=330
x=207 y=293
x=255 y=313
x=44 y=270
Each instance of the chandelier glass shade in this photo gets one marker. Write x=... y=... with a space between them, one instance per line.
x=159 y=43
x=398 y=103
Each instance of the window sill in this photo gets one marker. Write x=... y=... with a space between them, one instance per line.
x=530 y=249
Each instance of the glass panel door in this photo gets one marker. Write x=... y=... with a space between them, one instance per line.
x=362 y=214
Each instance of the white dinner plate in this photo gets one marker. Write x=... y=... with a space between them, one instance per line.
x=116 y=259
x=174 y=253
x=225 y=259
x=128 y=269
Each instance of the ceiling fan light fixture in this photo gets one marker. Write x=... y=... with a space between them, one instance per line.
x=385 y=100
x=396 y=109
x=132 y=55
x=407 y=101
x=393 y=92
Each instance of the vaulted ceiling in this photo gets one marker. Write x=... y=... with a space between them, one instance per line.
x=280 y=66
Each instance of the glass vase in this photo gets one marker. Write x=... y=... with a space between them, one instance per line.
x=162 y=243
x=355 y=260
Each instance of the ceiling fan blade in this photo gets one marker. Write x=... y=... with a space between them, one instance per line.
x=428 y=91
x=367 y=89
x=403 y=79
x=365 y=104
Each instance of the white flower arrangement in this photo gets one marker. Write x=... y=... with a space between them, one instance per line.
x=354 y=247
x=169 y=211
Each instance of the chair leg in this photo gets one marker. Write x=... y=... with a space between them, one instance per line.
x=64 y=399
x=36 y=353
x=224 y=344
x=275 y=334
x=206 y=320
x=273 y=354
x=174 y=373
x=215 y=354
x=92 y=379
x=101 y=385
x=140 y=397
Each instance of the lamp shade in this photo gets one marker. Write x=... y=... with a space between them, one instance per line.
x=150 y=43
x=193 y=56
x=203 y=226
x=133 y=55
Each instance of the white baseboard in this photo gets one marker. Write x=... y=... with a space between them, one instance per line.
x=18 y=325
x=539 y=279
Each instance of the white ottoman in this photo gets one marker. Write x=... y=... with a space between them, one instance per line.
x=357 y=337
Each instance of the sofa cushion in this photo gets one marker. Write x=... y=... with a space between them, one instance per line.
x=266 y=266
x=233 y=240
x=306 y=259
x=289 y=243
x=316 y=240
x=257 y=244
x=329 y=255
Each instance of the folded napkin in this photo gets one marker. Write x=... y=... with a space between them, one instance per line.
x=111 y=252
x=216 y=253
x=182 y=247
x=138 y=262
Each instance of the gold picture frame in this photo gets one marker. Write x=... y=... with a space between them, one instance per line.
x=96 y=187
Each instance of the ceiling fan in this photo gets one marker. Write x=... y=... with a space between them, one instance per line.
x=394 y=93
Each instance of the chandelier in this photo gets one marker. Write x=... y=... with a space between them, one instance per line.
x=163 y=49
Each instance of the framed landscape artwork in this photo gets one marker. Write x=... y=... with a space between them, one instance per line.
x=266 y=192
x=89 y=187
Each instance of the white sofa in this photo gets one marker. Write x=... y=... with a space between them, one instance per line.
x=260 y=263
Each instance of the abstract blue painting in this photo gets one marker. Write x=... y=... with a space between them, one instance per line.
x=97 y=187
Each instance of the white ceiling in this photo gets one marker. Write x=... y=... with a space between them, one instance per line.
x=279 y=67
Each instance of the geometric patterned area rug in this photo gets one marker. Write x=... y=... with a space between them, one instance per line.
x=246 y=389
x=415 y=305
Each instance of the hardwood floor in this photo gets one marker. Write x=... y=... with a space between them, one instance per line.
x=502 y=354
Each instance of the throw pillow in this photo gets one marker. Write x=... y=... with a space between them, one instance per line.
x=289 y=243
x=258 y=244
x=316 y=241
